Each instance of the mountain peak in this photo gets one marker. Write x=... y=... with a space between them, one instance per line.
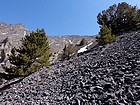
x=6 y=28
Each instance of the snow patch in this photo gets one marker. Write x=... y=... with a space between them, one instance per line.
x=83 y=49
x=24 y=33
x=90 y=44
x=4 y=33
x=70 y=41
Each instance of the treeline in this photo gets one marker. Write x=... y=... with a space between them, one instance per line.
x=113 y=21
x=117 y=19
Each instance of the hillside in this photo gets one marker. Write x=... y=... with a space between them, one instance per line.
x=11 y=35
x=110 y=76
x=14 y=33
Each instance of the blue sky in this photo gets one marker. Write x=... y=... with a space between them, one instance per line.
x=57 y=17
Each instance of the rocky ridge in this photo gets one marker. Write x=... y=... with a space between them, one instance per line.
x=110 y=76
x=57 y=43
x=11 y=35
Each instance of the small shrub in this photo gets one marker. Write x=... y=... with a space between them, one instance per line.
x=105 y=36
x=68 y=51
x=82 y=42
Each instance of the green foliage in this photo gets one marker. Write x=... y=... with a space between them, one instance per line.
x=105 y=36
x=82 y=42
x=68 y=51
x=32 y=55
x=120 y=18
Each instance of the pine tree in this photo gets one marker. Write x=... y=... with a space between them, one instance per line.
x=120 y=18
x=105 y=36
x=82 y=42
x=33 y=54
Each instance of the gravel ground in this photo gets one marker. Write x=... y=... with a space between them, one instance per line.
x=108 y=77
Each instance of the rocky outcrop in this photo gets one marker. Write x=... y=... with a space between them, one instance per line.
x=10 y=36
x=100 y=77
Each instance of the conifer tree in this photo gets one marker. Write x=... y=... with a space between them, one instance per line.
x=105 y=36
x=33 y=54
x=120 y=18
x=82 y=42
